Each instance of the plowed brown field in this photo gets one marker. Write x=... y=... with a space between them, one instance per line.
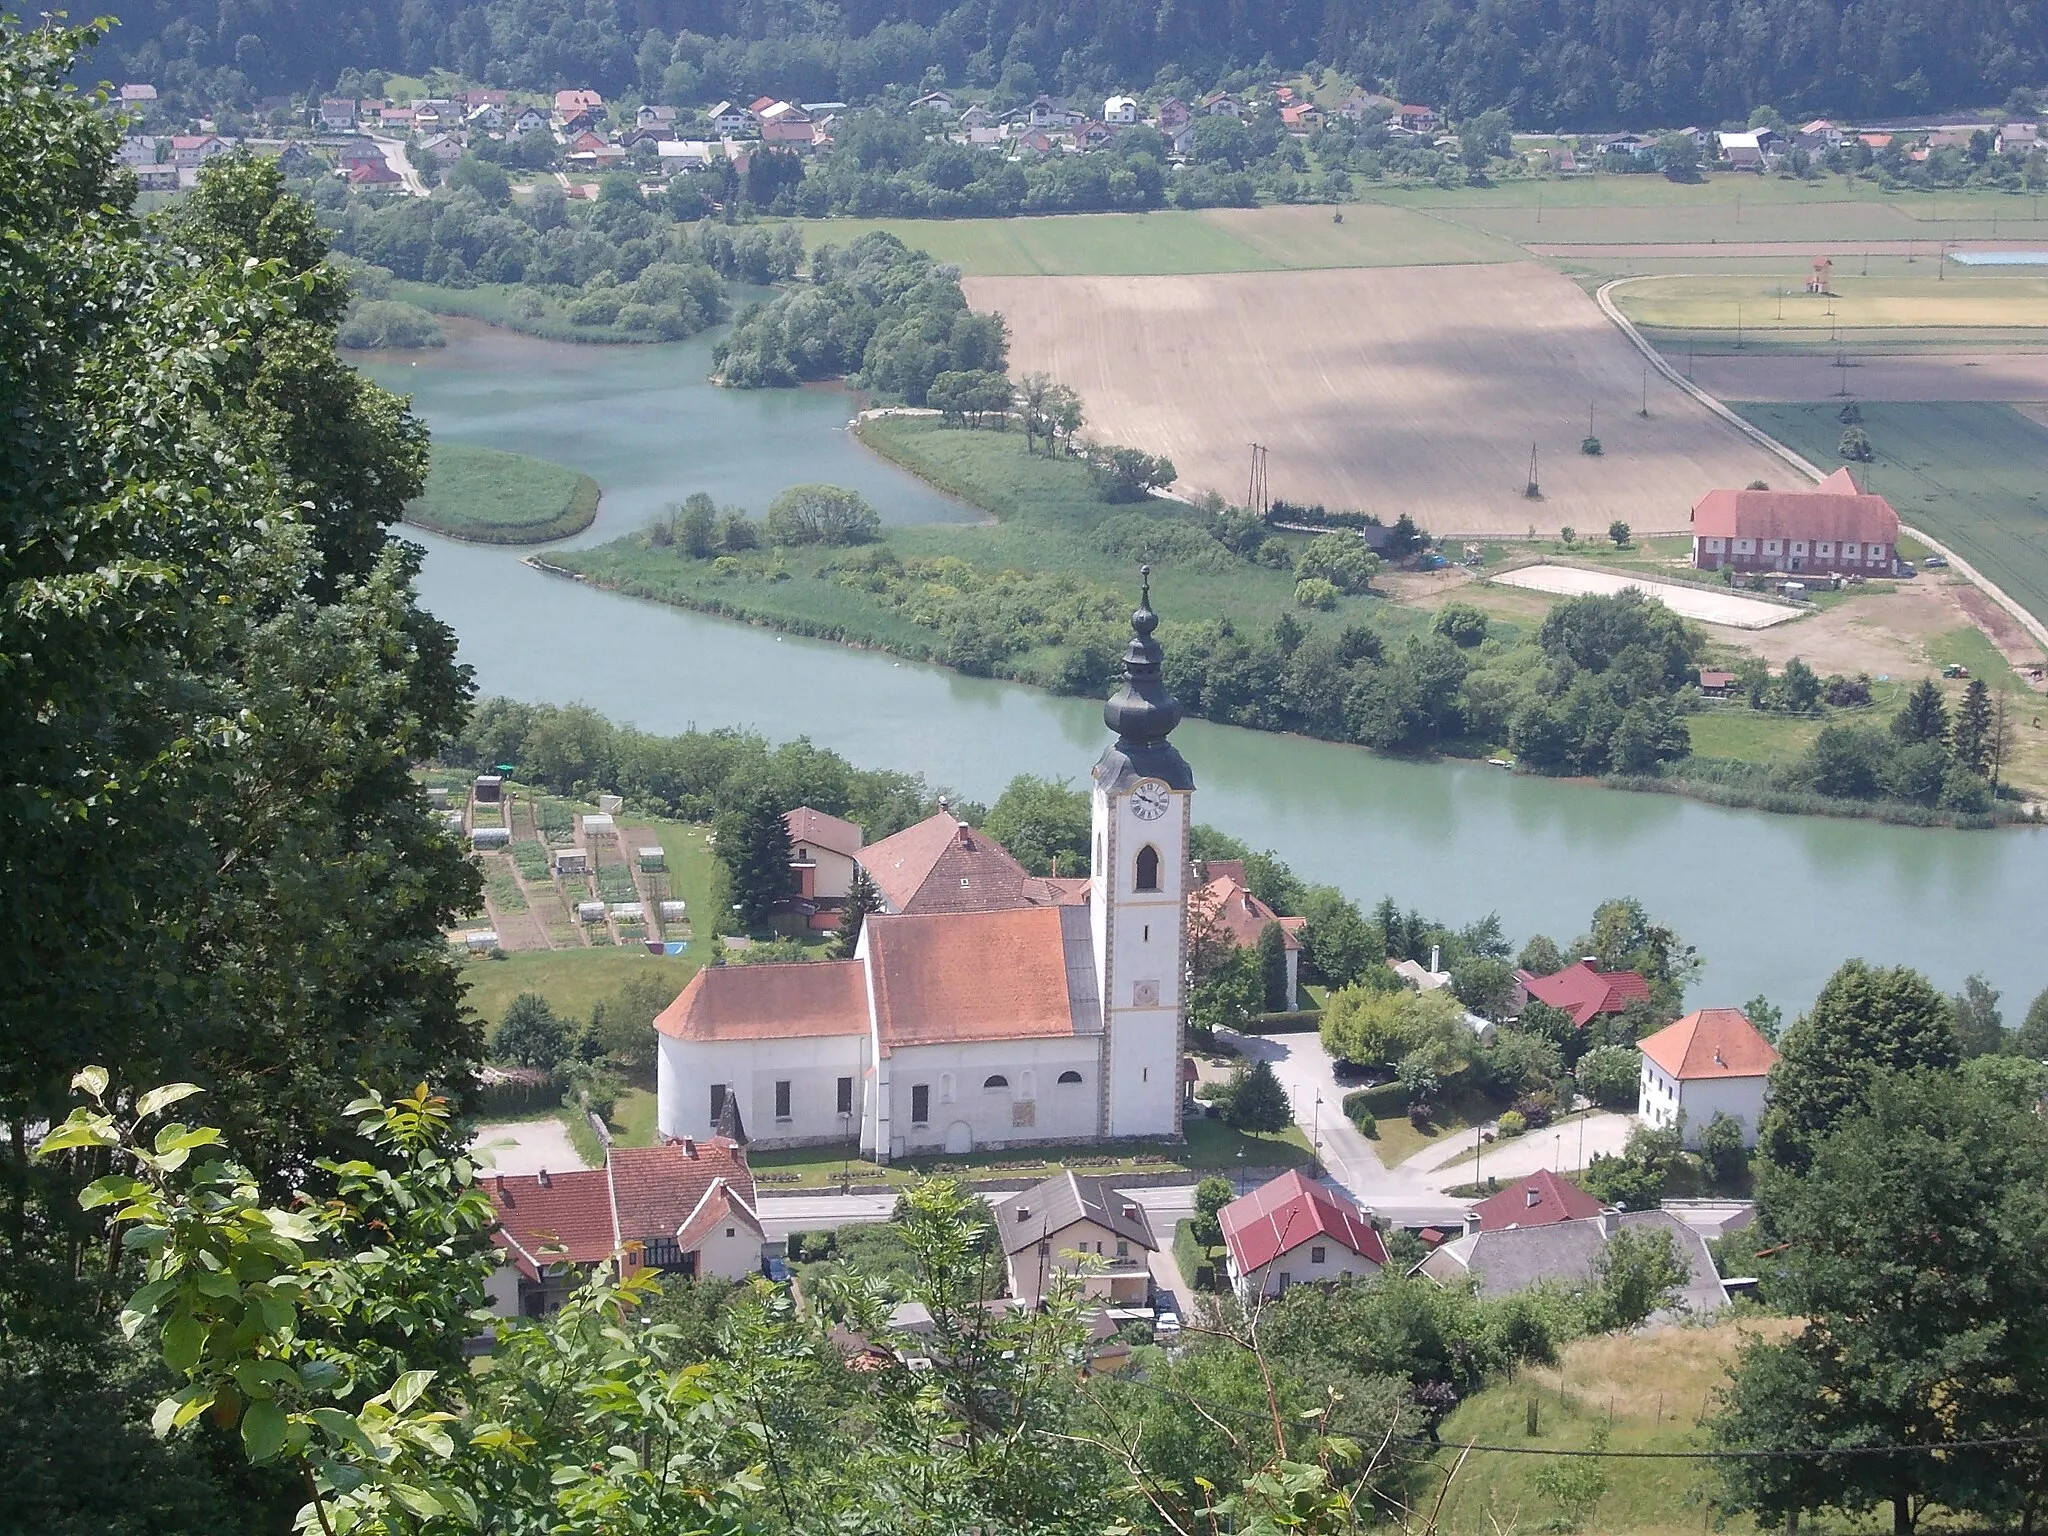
x=1391 y=390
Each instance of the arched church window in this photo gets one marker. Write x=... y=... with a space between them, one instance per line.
x=996 y=1083
x=945 y=1087
x=1148 y=868
x=1069 y=1079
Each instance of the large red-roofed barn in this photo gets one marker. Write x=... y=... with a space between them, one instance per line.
x=1832 y=529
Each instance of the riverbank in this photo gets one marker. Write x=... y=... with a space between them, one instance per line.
x=1024 y=599
x=489 y=496
x=517 y=307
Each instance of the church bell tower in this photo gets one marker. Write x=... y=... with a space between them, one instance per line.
x=1142 y=812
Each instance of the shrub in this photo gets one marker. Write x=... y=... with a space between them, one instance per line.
x=389 y=323
x=1611 y=1076
x=1315 y=592
x=1461 y=624
x=1855 y=446
x=1368 y=1124
x=1512 y=1124
x=1340 y=559
x=1536 y=1109
x=1590 y=446
x=531 y=1034
x=822 y=514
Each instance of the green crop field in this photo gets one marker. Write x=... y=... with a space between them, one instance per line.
x=1177 y=242
x=1974 y=476
x=1777 y=304
x=493 y=497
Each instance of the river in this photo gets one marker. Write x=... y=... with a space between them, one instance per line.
x=1774 y=903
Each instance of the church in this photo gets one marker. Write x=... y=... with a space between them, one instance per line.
x=999 y=1011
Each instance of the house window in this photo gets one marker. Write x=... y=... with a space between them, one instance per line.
x=1148 y=868
x=717 y=1101
x=732 y=1232
x=1045 y=1250
x=920 y=1104
x=945 y=1087
x=1067 y=1078
x=1098 y=850
x=1319 y=1254
x=995 y=1083
x=1123 y=1249
x=782 y=1099
x=846 y=1096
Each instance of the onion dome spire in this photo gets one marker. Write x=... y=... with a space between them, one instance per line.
x=1142 y=712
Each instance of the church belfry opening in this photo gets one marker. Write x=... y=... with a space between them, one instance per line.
x=1148 y=868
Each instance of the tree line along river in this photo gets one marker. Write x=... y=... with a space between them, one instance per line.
x=1773 y=902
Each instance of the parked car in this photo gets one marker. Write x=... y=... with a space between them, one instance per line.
x=1165 y=1313
x=1936 y=562
x=1906 y=568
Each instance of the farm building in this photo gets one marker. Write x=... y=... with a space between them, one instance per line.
x=1832 y=528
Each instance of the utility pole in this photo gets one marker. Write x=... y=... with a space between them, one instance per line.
x=1646 y=392
x=1255 y=492
x=1738 y=327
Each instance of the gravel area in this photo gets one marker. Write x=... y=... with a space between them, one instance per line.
x=1708 y=607
x=526 y=1146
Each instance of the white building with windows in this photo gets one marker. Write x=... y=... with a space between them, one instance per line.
x=1016 y=1010
x=1711 y=1062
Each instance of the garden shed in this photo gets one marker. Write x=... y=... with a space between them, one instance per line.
x=490 y=789
x=589 y=911
x=654 y=858
x=599 y=825
x=437 y=797
x=628 y=911
x=610 y=805
x=490 y=837
x=480 y=939
x=571 y=861
x=671 y=911
x=453 y=820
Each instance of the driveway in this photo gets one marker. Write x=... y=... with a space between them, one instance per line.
x=1560 y=1148
x=395 y=157
x=526 y=1146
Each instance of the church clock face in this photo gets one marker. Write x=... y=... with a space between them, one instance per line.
x=1149 y=800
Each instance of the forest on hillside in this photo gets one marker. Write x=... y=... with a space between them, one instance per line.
x=1582 y=64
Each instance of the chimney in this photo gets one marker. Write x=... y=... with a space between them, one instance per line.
x=1130 y=1211
x=1471 y=1222
x=1610 y=1221
x=1436 y=957
x=1590 y=962
x=545 y=1182
x=690 y=1148
x=501 y=1183
x=1717 y=1058
x=1535 y=1196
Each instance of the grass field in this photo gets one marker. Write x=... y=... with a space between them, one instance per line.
x=1416 y=390
x=570 y=979
x=1177 y=241
x=1763 y=305
x=1975 y=476
x=489 y=496
x=1646 y=1392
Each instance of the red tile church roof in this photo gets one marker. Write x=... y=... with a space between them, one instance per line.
x=770 y=1002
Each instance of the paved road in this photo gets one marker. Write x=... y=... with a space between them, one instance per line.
x=395 y=157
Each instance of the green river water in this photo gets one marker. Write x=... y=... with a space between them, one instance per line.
x=1773 y=902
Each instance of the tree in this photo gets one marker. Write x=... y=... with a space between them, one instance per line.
x=1980 y=1027
x=1461 y=624
x=1338 y=945
x=531 y=1034
x=1540 y=957
x=1767 y=1016
x=1484 y=984
x=1924 y=716
x=1340 y=559
x=1619 y=532
x=1044 y=823
x=1866 y=1020
x=1624 y=937
x=1678 y=156
x=1855 y=446
x=1611 y=1076
x=861 y=899
x=1126 y=474
x=1229 y=988
x=1638 y=1273
x=1799 y=687
x=753 y=844
x=1924 y=1283
x=822 y=514
x=696 y=527
x=1722 y=1150
x=1273 y=966
x=1211 y=1195
x=1971 y=736
x=2031 y=1038
x=1258 y=1102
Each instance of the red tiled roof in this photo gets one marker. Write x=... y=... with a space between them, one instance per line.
x=365 y=172
x=1278 y=1217
x=1833 y=511
x=658 y=1189
x=1229 y=908
x=1710 y=1043
x=981 y=975
x=577 y=101
x=923 y=867
x=1536 y=1201
x=553 y=1218
x=720 y=1205
x=1585 y=992
x=828 y=832
x=770 y=1002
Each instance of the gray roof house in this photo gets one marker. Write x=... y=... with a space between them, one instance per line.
x=1515 y=1258
x=1069 y=1224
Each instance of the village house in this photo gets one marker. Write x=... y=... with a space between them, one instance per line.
x=979 y=1010
x=1293 y=1231
x=362 y=152
x=1120 y=111
x=431 y=115
x=1540 y=1200
x=1083 y=1227
x=653 y=115
x=484 y=117
x=729 y=118
x=444 y=149
x=1832 y=529
x=1747 y=151
x=682 y=1209
x=337 y=114
x=195 y=149
x=932 y=101
x=573 y=104
x=135 y=95
x=786 y=124
x=1050 y=112
x=1300 y=118
x=1820 y=134
x=686 y=155
x=1172 y=114
x=1583 y=990
x=1504 y=1260
x=2019 y=138
x=1711 y=1062
x=1222 y=909
x=1222 y=104
x=976 y=117
x=1416 y=119
x=529 y=119
x=1361 y=104
x=374 y=173
x=157 y=177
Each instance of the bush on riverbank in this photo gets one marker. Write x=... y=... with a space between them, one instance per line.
x=488 y=496
x=380 y=323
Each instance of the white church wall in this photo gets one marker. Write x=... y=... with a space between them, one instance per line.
x=956 y=1075
x=1147 y=961
x=751 y=1069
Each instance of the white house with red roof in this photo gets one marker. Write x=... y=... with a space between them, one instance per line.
x=1584 y=990
x=1833 y=528
x=983 y=1007
x=1223 y=908
x=1293 y=1231
x=825 y=849
x=1711 y=1062
x=684 y=1209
